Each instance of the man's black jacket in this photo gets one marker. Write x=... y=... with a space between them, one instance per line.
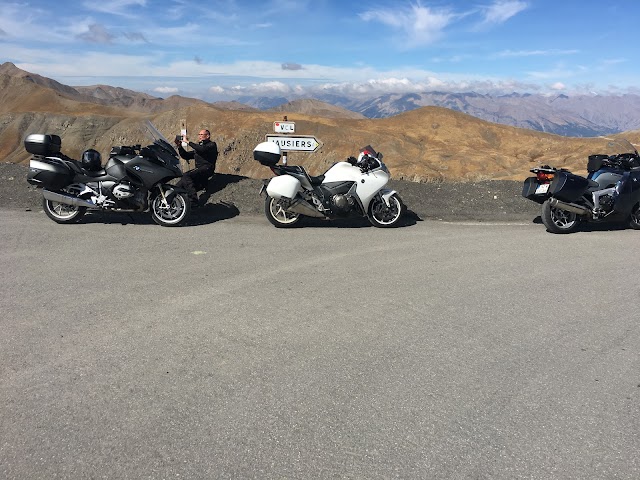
x=205 y=153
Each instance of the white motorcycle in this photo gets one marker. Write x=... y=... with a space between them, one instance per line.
x=351 y=188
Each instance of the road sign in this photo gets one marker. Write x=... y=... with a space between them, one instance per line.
x=284 y=127
x=287 y=143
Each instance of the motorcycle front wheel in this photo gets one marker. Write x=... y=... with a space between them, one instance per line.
x=277 y=215
x=171 y=214
x=634 y=219
x=382 y=215
x=61 y=212
x=557 y=220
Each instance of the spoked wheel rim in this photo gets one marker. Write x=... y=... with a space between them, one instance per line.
x=62 y=211
x=557 y=220
x=635 y=218
x=562 y=219
x=386 y=214
x=281 y=215
x=170 y=213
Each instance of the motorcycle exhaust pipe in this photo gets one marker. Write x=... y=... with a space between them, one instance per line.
x=303 y=207
x=67 y=200
x=569 y=207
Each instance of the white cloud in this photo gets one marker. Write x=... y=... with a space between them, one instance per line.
x=558 y=86
x=501 y=11
x=418 y=25
x=114 y=7
x=533 y=53
x=166 y=90
x=559 y=71
x=96 y=34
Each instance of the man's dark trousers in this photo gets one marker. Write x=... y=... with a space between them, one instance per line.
x=195 y=180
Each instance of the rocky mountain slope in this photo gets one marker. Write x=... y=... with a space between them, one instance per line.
x=424 y=145
x=576 y=115
x=316 y=108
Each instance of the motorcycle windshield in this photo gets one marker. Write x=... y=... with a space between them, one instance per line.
x=161 y=146
x=619 y=146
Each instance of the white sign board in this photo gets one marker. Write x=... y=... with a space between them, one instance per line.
x=284 y=127
x=288 y=143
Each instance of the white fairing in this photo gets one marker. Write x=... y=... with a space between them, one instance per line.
x=283 y=186
x=367 y=184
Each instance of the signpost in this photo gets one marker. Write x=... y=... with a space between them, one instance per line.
x=288 y=143
x=284 y=127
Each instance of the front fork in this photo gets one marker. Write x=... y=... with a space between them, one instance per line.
x=386 y=194
x=168 y=193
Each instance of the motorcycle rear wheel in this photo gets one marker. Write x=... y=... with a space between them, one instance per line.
x=277 y=215
x=634 y=219
x=171 y=214
x=61 y=212
x=382 y=215
x=557 y=220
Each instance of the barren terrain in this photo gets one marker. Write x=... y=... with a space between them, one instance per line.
x=430 y=144
x=496 y=200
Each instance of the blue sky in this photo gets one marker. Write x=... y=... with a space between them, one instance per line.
x=219 y=50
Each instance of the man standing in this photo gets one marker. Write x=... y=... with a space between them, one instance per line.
x=205 y=153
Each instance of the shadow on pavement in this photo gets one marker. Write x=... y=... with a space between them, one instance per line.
x=409 y=219
x=210 y=213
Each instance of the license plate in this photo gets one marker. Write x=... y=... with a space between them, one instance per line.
x=544 y=188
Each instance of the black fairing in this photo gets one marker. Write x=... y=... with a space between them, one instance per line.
x=115 y=168
x=147 y=171
x=334 y=188
x=628 y=193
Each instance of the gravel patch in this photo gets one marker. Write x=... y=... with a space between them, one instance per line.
x=493 y=200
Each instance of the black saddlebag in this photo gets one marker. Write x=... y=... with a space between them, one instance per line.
x=49 y=173
x=529 y=190
x=42 y=144
x=568 y=187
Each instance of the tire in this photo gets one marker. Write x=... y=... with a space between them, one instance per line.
x=383 y=216
x=278 y=216
x=61 y=212
x=557 y=220
x=173 y=214
x=634 y=219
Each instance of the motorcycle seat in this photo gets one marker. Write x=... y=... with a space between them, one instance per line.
x=74 y=164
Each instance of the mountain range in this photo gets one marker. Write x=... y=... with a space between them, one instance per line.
x=573 y=116
x=422 y=144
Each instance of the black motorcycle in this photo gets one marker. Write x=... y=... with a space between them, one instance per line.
x=609 y=193
x=134 y=179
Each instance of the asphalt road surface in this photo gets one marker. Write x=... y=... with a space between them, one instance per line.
x=231 y=349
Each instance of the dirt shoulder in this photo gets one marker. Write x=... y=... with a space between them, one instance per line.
x=481 y=201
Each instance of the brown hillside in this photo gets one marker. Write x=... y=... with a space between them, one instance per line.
x=316 y=108
x=233 y=105
x=20 y=94
x=428 y=144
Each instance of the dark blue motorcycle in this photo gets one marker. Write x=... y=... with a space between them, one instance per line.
x=609 y=193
